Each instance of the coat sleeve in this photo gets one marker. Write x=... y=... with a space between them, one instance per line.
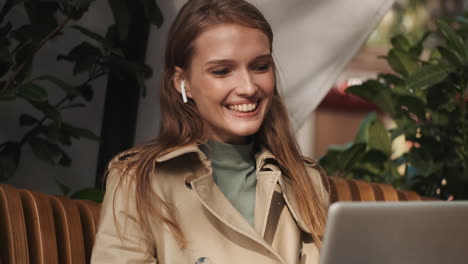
x=119 y=238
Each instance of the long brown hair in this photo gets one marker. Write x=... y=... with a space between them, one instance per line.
x=182 y=124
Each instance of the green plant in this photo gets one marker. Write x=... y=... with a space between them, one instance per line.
x=46 y=130
x=428 y=100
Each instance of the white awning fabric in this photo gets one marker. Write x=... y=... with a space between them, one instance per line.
x=314 y=40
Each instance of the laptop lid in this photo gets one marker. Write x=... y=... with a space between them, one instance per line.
x=396 y=232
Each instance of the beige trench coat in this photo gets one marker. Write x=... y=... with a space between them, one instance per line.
x=216 y=232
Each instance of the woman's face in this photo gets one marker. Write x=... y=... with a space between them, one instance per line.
x=231 y=79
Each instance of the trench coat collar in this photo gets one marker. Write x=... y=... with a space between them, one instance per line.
x=263 y=159
x=260 y=157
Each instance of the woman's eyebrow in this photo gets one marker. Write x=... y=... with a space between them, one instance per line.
x=229 y=61
x=264 y=56
x=222 y=61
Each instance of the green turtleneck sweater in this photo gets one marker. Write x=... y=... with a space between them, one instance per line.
x=234 y=174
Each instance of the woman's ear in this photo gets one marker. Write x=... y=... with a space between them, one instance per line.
x=178 y=79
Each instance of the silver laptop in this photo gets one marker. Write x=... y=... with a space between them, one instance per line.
x=396 y=233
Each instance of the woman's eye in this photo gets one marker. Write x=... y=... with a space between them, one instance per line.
x=221 y=72
x=261 y=67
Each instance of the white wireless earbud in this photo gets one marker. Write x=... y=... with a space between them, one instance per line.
x=182 y=90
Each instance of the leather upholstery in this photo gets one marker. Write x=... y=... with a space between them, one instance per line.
x=41 y=228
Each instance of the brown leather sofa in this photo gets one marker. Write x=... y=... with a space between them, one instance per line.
x=47 y=229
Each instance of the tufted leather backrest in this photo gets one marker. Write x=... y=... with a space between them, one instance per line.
x=357 y=190
x=41 y=228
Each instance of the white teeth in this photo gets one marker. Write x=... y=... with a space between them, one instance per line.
x=243 y=107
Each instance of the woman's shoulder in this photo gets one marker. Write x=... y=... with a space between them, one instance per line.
x=121 y=170
x=131 y=165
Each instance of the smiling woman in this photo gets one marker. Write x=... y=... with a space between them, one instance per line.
x=231 y=86
x=224 y=182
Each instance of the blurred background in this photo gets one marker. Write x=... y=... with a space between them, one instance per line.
x=409 y=17
x=79 y=84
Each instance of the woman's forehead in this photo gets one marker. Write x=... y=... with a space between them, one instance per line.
x=230 y=42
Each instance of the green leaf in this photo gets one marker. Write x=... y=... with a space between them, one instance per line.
x=9 y=158
x=421 y=160
x=440 y=118
x=372 y=132
x=112 y=35
x=121 y=16
x=23 y=53
x=375 y=92
x=427 y=76
x=90 y=34
x=92 y=194
x=33 y=33
x=56 y=132
x=68 y=106
x=391 y=79
x=379 y=138
x=100 y=39
x=68 y=88
x=78 y=133
x=27 y=120
x=400 y=42
x=65 y=161
x=5 y=56
x=372 y=164
x=432 y=145
x=341 y=159
x=418 y=48
x=42 y=15
x=442 y=97
x=86 y=92
x=33 y=92
x=53 y=132
x=6 y=95
x=411 y=104
x=435 y=56
x=153 y=12
x=402 y=62
x=75 y=9
x=453 y=40
x=451 y=57
x=362 y=136
x=6 y=29
x=46 y=150
x=24 y=34
x=85 y=56
x=49 y=111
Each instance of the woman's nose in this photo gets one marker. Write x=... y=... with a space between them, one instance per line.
x=246 y=85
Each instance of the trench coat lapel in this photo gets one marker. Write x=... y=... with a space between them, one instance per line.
x=266 y=182
x=290 y=199
x=214 y=201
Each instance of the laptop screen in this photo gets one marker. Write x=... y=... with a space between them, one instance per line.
x=396 y=232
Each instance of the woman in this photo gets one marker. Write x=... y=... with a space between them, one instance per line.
x=224 y=182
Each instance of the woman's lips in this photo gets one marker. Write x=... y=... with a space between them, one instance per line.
x=242 y=108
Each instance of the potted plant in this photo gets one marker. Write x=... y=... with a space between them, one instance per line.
x=92 y=58
x=428 y=100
